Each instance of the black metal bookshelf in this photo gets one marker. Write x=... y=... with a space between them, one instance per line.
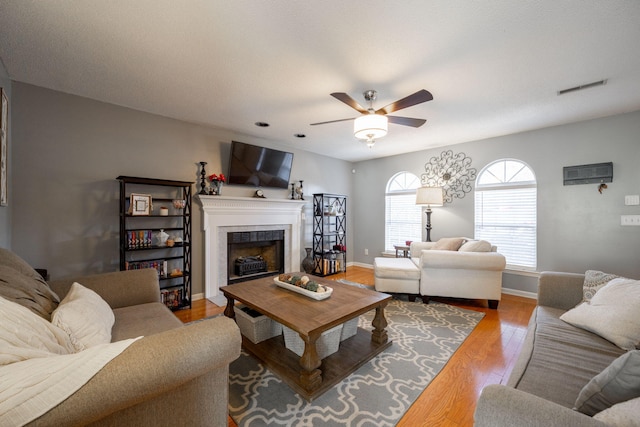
x=139 y=235
x=329 y=234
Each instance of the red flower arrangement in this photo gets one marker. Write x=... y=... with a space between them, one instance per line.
x=217 y=177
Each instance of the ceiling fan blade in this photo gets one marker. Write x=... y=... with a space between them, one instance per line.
x=332 y=121
x=406 y=121
x=417 y=98
x=341 y=96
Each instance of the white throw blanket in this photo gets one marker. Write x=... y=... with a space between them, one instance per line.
x=38 y=369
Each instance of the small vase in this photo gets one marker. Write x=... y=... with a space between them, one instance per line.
x=307 y=263
x=216 y=188
x=162 y=238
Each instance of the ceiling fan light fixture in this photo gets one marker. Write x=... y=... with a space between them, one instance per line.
x=370 y=126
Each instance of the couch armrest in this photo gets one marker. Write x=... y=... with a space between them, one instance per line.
x=152 y=366
x=560 y=290
x=500 y=406
x=417 y=247
x=118 y=289
x=462 y=260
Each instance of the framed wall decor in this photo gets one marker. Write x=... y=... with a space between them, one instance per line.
x=140 y=204
x=4 y=136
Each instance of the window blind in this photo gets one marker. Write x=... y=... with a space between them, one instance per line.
x=507 y=218
x=403 y=219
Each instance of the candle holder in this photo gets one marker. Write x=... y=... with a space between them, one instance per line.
x=203 y=181
x=293 y=191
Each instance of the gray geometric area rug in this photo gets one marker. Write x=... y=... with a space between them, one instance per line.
x=379 y=393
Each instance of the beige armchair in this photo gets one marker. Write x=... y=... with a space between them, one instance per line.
x=459 y=273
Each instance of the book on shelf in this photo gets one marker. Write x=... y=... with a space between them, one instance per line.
x=331 y=265
x=172 y=298
x=139 y=239
x=159 y=265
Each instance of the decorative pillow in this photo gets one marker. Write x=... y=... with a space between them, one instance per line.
x=612 y=313
x=475 y=246
x=594 y=280
x=619 y=382
x=30 y=292
x=25 y=335
x=448 y=244
x=12 y=260
x=85 y=316
x=624 y=414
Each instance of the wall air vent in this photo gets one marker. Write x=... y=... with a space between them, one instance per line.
x=588 y=174
x=584 y=86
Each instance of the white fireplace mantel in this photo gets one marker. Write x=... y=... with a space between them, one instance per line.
x=222 y=214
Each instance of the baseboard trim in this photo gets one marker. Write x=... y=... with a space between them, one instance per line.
x=360 y=264
x=196 y=297
x=519 y=293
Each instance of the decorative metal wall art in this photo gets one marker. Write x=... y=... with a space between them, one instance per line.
x=452 y=172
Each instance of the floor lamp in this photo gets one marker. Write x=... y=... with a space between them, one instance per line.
x=429 y=196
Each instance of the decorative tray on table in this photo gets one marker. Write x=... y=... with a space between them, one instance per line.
x=303 y=285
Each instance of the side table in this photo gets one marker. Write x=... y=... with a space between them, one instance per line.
x=402 y=248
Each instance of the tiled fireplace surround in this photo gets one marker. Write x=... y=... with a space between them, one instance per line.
x=222 y=214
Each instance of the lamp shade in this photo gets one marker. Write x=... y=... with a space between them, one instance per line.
x=430 y=196
x=370 y=126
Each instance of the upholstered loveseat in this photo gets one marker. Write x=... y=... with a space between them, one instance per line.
x=568 y=375
x=451 y=267
x=172 y=375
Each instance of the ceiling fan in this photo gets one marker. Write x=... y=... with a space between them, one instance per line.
x=373 y=123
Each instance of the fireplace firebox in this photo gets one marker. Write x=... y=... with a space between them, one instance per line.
x=254 y=254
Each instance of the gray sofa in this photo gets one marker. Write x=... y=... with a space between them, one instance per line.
x=557 y=360
x=175 y=375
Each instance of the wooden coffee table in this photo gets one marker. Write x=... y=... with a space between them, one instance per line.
x=308 y=375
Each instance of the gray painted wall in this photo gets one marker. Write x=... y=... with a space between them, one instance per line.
x=5 y=211
x=578 y=228
x=68 y=151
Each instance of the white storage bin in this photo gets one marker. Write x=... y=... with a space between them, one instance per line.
x=349 y=329
x=326 y=345
x=256 y=329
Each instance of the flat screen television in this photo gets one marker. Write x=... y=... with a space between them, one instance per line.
x=259 y=166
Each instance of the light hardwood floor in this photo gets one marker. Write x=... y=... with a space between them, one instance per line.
x=486 y=357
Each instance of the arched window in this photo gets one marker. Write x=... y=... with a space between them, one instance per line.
x=403 y=218
x=505 y=211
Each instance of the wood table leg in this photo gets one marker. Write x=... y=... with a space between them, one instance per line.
x=379 y=323
x=229 y=310
x=310 y=375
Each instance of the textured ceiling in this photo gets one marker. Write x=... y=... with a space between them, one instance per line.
x=493 y=67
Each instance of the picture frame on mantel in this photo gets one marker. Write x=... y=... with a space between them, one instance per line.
x=4 y=136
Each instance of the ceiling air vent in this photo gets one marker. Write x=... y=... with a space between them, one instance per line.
x=581 y=87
